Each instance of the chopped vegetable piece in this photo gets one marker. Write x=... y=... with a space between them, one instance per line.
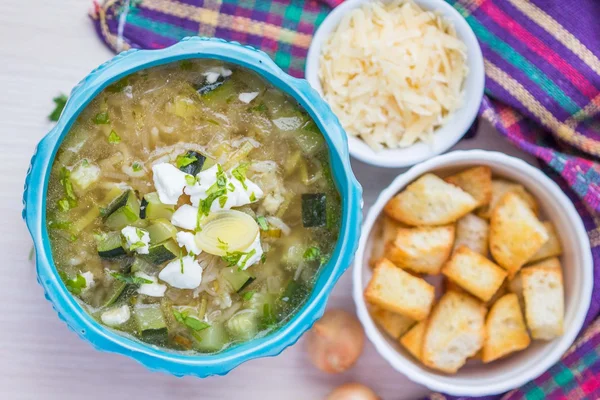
x=190 y=321
x=243 y=325
x=238 y=279
x=150 y=322
x=152 y=208
x=262 y=223
x=113 y=138
x=123 y=211
x=74 y=285
x=314 y=210
x=60 y=102
x=101 y=118
x=131 y=279
x=162 y=252
x=212 y=338
x=191 y=162
x=110 y=245
x=161 y=230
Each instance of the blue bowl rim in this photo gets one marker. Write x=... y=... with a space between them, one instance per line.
x=153 y=357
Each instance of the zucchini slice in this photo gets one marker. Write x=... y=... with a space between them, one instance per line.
x=238 y=279
x=150 y=323
x=110 y=245
x=314 y=210
x=194 y=167
x=162 y=252
x=161 y=230
x=212 y=338
x=123 y=211
x=152 y=208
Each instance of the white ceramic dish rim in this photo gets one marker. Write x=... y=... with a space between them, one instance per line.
x=447 y=135
x=560 y=345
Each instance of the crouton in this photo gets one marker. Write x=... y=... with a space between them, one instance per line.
x=474 y=273
x=422 y=250
x=393 y=324
x=448 y=285
x=544 y=301
x=473 y=232
x=500 y=188
x=430 y=201
x=515 y=233
x=505 y=330
x=515 y=285
x=413 y=339
x=396 y=290
x=386 y=231
x=551 y=248
x=454 y=332
x=476 y=181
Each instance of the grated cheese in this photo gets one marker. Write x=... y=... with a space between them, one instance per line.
x=393 y=73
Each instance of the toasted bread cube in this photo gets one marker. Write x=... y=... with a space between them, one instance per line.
x=430 y=201
x=544 y=301
x=551 y=248
x=449 y=285
x=505 y=330
x=502 y=290
x=500 y=188
x=476 y=181
x=474 y=233
x=455 y=332
x=398 y=291
x=422 y=250
x=515 y=285
x=516 y=234
x=386 y=231
x=393 y=324
x=474 y=273
x=413 y=339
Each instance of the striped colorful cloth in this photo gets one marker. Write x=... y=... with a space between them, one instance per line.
x=542 y=61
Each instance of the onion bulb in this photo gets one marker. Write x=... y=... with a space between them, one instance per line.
x=226 y=231
x=352 y=391
x=335 y=342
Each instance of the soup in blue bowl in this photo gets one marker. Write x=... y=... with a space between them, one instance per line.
x=192 y=208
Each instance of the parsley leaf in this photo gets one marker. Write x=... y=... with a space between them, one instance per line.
x=262 y=223
x=259 y=108
x=248 y=295
x=63 y=205
x=74 y=285
x=222 y=201
x=135 y=280
x=191 y=322
x=136 y=167
x=238 y=258
x=252 y=197
x=118 y=86
x=59 y=104
x=181 y=260
x=101 y=118
x=71 y=199
x=239 y=173
x=312 y=253
x=137 y=245
x=221 y=177
x=113 y=138
x=183 y=160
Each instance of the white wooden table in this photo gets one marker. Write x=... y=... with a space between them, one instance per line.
x=47 y=46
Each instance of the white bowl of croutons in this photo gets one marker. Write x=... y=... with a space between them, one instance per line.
x=473 y=274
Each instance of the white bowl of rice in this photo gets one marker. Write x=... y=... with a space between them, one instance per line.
x=405 y=77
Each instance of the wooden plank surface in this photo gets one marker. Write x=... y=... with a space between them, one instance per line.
x=47 y=46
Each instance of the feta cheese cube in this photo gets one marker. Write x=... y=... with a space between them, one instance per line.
x=188 y=240
x=153 y=289
x=116 y=316
x=183 y=273
x=137 y=239
x=247 y=97
x=185 y=217
x=169 y=182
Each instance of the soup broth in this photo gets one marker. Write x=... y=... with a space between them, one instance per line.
x=192 y=205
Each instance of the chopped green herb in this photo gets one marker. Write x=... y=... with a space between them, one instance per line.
x=101 y=118
x=191 y=322
x=59 y=225
x=135 y=280
x=269 y=319
x=181 y=260
x=190 y=180
x=183 y=160
x=137 y=245
x=313 y=253
x=118 y=86
x=85 y=162
x=248 y=295
x=74 y=285
x=239 y=173
x=221 y=177
x=222 y=245
x=63 y=205
x=113 y=138
x=252 y=197
x=59 y=104
x=136 y=167
x=65 y=180
x=238 y=258
x=212 y=121
x=263 y=258
x=259 y=108
x=231 y=187
x=262 y=223
x=204 y=206
x=222 y=201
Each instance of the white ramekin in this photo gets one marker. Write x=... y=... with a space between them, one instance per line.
x=447 y=135
x=476 y=379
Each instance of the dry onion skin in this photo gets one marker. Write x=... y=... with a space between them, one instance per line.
x=352 y=391
x=335 y=341
x=393 y=73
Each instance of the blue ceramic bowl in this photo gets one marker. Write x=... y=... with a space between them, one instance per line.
x=154 y=358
